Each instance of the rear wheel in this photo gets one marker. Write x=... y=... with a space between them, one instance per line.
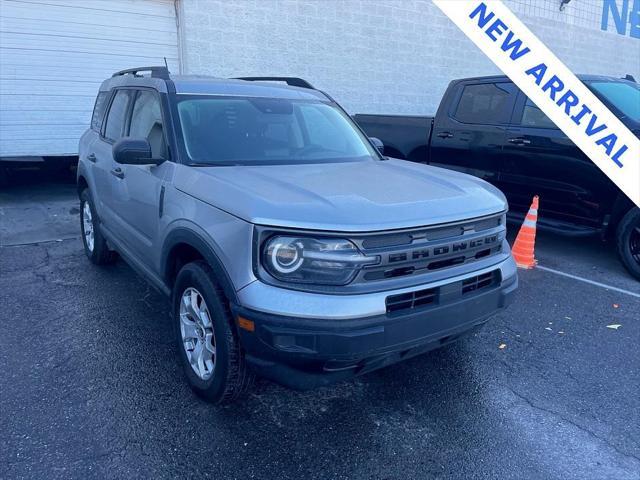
x=628 y=241
x=95 y=245
x=208 y=344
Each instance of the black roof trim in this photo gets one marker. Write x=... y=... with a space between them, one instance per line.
x=581 y=76
x=156 y=72
x=292 y=81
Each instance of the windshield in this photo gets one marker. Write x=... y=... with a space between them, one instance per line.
x=255 y=131
x=624 y=96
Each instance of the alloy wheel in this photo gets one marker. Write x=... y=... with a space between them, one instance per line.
x=634 y=244
x=198 y=338
x=87 y=226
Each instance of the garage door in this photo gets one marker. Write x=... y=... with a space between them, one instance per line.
x=55 y=53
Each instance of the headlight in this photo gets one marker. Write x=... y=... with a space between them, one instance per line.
x=318 y=261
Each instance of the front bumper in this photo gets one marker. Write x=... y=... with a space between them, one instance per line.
x=304 y=352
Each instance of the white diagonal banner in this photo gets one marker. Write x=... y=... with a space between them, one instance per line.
x=552 y=87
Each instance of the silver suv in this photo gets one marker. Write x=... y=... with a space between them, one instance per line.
x=289 y=246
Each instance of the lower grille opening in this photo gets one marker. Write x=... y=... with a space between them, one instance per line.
x=409 y=300
x=481 y=281
x=483 y=253
x=399 y=272
x=446 y=263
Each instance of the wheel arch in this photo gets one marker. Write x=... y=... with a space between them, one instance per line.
x=82 y=184
x=182 y=246
x=621 y=206
x=393 y=152
x=418 y=154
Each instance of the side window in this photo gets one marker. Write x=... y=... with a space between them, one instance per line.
x=486 y=103
x=117 y=113
x=532 y=116
x=146 y=122
x=98 y=111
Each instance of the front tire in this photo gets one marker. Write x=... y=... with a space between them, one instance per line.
x=95 y=245
x=208 y=344
x=628 y=241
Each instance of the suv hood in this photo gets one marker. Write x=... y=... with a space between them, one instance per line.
x=345 y=197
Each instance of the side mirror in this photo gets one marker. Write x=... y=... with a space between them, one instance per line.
x=134 y=151
x=377 y=143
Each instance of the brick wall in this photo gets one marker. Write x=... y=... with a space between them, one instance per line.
x=381 y=56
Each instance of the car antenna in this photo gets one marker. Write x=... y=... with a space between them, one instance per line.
x=165 y=63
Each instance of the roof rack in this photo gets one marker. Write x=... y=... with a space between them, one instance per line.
x=156 y=72
x=293 y=81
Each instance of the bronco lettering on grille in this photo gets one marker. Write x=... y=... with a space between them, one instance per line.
x=421 y=253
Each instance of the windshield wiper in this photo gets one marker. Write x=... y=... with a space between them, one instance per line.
x=216 y=164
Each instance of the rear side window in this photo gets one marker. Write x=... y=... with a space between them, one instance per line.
x=98 y=111
x=532 y=116
x=117 y=114
x=486 y=103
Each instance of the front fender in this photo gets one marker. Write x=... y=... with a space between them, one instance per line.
x=206 y=246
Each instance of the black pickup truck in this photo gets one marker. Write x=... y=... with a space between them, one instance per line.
x=487 y=127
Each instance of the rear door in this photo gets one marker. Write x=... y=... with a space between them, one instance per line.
x=136 y=189
x=539 y=159
x=470 y=128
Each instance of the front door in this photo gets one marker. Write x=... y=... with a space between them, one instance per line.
x=102 y=156
x=136 y=190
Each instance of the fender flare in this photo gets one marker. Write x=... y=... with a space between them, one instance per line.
x=190 y=237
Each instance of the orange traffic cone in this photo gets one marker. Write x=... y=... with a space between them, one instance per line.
x=523 y=247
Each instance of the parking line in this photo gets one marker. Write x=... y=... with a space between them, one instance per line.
x=591 y=282
x=38 y=242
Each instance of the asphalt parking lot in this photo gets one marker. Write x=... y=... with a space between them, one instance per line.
x=90 y=386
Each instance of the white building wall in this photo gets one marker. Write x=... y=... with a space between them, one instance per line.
x=54 y=54
x=382 y=56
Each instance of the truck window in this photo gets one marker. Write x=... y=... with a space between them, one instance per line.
x=624 y=96
x=532 y=116
x=98 y=111
x=146 y=122
x=486 y=103
x=117 y=114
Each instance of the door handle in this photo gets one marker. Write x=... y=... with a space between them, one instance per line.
x=519 y=141
x=117 y=172
x=92 y=157
x=445 y=135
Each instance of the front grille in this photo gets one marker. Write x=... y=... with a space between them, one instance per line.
x=405 y=301
x=481 y=281
x=418 y=251
x=441 y=295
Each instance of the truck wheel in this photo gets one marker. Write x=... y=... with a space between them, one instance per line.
x=95 y=245
x=208 y=343
x=628 y=240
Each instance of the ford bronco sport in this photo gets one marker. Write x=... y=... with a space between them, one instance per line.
x=289 y=246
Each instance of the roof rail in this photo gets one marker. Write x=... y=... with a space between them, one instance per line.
x=156 y=72
x=293 y=81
